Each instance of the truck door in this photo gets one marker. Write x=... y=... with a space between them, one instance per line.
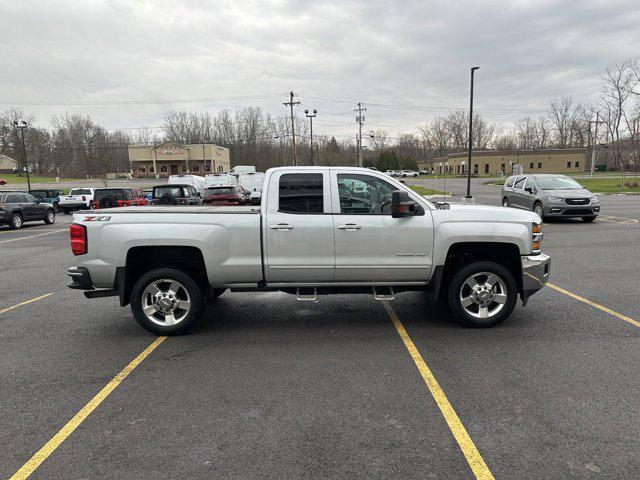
x=298 y=228
x=371 y=245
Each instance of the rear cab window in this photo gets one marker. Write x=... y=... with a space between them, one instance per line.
x=301 y=193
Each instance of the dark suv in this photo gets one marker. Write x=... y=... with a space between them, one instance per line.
x=117 y=197
x=19 y=207
x=175 y=195
x=47 y=196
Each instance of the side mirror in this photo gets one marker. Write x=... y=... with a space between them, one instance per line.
x=402 y=205
x=37 y=200
x=528 y=190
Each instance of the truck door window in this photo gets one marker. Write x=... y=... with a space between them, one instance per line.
x=364 y=194
x=301 y=193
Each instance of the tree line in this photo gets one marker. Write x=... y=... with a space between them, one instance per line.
x=76 y=146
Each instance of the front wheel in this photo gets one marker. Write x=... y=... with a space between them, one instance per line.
x=537 y=208
x=166 y=301
x=482 y=294
x=50 y=217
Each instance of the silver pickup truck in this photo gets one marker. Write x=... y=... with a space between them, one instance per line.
x=318 y=231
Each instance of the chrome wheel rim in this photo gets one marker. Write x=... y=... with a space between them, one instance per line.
x=17 y=221
x=483 y=295
x=505 y=203
x=538 y=209
x=50 y=217
x=166 y=302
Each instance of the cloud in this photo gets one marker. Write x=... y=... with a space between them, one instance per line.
x=406 y=53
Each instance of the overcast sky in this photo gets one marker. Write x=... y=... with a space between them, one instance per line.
x=239 y=53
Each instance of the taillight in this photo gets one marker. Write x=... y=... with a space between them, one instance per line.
x=78 y=239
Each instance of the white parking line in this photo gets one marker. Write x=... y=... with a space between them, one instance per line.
x=33 y=236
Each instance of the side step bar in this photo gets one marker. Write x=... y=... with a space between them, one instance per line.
x=302 y=297
x=386 y=294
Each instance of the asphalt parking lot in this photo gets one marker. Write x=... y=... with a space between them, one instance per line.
x=268 y=387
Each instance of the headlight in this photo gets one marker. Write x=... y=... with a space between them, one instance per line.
x=554 y=199
x=594 y=198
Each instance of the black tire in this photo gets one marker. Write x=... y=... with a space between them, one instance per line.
x=538 y=208
x=16 y=221
x=50 y=216
x=214 y=293
x=196 y=298
x=457 y=282
x=108 y=202
x=505 y=202
x=55 y=207
x=589 y=219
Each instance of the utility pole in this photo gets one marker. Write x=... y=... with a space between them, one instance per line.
x=360 y=120
x=21 y=127
x=473 y=69
x=593 y=143
x=311 y=116
x=291 y=103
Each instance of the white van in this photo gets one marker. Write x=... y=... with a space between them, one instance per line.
x=214 y=180
x=252 y=182
x=196 y=181
x=238 y=169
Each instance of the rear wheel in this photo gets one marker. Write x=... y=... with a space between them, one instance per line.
x=166 y=301
x=55 y=207
x=50 y=217
x=589 y=219
x=482 y=294
x=16 y=221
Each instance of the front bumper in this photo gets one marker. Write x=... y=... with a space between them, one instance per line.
x=562 y=210
x=79 y=278
x=535 y=274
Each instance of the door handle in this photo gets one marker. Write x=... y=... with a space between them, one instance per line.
x=281 y=226
x=349 y=227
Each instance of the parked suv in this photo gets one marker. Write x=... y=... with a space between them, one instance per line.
x=550 y=196
x=117 y=197
x=19 y=207
x=48 y=196
x=175 y=195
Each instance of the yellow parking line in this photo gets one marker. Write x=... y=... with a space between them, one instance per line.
x=33 y=236
x=630 y=320
x=49 y=447
x=8 y=309
x=621 y=220
x=474 y=459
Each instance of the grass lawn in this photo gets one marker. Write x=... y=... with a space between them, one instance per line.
x=600 y=185
x=13 y=178
x=426 y=191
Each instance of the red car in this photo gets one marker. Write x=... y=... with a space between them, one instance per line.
x=225 y=195
x=117 y=197
x=3 y=181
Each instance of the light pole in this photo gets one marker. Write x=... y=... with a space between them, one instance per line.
x=310 y=116
x=21 y=126
x=473 y=69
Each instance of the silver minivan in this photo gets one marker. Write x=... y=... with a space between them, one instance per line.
x=550 y=196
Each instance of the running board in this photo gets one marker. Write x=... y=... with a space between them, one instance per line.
x=306 y=297
x=383 y=296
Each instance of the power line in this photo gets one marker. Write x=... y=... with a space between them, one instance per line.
x=134 y=102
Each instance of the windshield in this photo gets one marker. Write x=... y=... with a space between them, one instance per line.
x=221 y=191
x=558 y=183
x=173 y=191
